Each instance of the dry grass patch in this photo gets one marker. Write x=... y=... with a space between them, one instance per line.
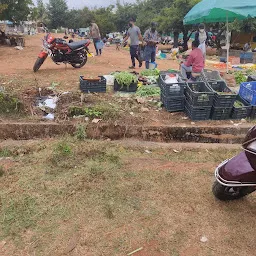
x=72 y=197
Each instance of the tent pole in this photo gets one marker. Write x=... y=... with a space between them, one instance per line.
x=227 y=43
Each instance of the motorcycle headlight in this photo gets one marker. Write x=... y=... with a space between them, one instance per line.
x=252 y=146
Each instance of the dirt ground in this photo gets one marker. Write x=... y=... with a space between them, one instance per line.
x=20 y=64
x=67 y=197
x=17 y=77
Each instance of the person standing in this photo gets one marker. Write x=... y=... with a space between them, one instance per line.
x=202 y=37
x=152 y=39
x=135 y=36
x=95 y=34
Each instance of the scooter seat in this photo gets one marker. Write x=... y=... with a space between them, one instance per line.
x=77 y=45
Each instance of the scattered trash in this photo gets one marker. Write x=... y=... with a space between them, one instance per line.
x=237 y=124
x=110 y=79
x=50 y=116
x=47 y=105
x=184 y=118
x=141 y=100
x=48 y=102
x=137 y=250
x=18 y=48
x=193 y=123
x=2 y=244
x=176 y=151
x=95 y=121
x=147 y=151
x=204 y=239
x=86 y=119
x=144 y=110
x=231 y=122
x=131 y=113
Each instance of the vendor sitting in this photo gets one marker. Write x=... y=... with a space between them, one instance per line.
x=195 y=62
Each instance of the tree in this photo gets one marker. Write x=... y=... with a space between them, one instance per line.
x=149 y=11
x=3 y=7
x=123 y=14
x=57 y=11
x=79 y=18
x=15 y=10
x=246 y=26
x=172 y=19
x=41 y=10
x=105 y=19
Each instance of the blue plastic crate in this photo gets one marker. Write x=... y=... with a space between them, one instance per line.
x=246 y=55
x=248 y=92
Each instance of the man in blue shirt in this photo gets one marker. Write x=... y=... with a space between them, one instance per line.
x=152 y=39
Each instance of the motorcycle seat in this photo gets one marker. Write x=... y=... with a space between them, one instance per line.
x=77 y=45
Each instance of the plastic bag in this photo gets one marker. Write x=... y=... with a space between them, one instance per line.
x=100 y=45
x=202 y=47
x=141 y=53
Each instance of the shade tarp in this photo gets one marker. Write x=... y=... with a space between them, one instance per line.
x=208 y=11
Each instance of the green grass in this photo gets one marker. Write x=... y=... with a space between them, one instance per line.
x=81 y=132
x=4 y=152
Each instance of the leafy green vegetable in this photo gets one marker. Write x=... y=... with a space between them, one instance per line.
x=240 y=77
x=150 y=72
x=238 y=104
x=125 y=78
x=147 y=91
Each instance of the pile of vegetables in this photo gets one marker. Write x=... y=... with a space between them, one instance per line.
x=150 y=72
x=147 y=91
x=148 y=80
x=240 y=77
x=125 y=78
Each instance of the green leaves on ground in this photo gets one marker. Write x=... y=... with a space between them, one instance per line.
x=147 y=91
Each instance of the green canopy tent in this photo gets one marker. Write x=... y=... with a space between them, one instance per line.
x=211 y=11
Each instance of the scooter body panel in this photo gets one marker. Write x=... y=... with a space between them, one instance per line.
x=238 y=169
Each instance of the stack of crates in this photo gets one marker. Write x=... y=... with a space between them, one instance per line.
x=241 y=109
x=172 y=95
x=248 y=93
x=199 y=101
x=223 y=101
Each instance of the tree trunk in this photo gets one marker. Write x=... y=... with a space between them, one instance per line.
x=218 y=38
x=176 y=39
x=186 y=38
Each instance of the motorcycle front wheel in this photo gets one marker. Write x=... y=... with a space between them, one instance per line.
x=225 y=193
x=39 y=62
x=80 y=65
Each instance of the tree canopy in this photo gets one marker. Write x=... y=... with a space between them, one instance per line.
x=168 y=14
x=57 y=13
x=15 y=10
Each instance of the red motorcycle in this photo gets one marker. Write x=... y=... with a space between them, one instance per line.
x=73 y=53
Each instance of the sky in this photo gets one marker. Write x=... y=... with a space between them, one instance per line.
x=91 y=3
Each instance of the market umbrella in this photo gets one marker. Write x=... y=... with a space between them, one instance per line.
x=210 y=11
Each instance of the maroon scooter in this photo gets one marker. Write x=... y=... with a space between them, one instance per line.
x=236 y=177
